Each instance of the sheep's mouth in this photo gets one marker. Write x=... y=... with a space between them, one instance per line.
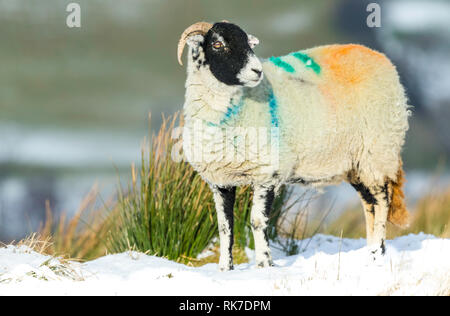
x=254 y=82
x=257 y=79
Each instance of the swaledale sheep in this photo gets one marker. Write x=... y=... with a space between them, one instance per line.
x=338 y=113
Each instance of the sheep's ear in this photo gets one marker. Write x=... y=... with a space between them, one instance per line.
x=195 y=40
x=252 y=40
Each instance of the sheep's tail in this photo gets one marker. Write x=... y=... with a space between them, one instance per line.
x=398 y=215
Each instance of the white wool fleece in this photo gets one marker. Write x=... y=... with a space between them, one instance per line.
x=337 y=108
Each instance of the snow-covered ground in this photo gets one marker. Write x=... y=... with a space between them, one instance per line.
x=414 y=265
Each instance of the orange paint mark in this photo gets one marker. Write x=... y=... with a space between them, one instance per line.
x=348 y=64
x=344 y=69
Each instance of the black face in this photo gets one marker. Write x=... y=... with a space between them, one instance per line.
x=227 y=52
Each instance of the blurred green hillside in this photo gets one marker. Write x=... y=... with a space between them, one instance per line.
x=121 y=63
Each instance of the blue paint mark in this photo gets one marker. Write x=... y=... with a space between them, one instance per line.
x=273 y=110
x=231 y=112
x=277 y=61
x=308 y=61
x=235 y=109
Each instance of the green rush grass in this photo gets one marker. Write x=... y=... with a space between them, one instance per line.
x=168 y=210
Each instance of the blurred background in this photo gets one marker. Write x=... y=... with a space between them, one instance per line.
x=74 y=102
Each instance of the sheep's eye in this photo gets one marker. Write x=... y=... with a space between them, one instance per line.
x=218 y=44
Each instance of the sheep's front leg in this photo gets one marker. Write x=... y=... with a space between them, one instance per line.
x=262 y=204
x=224 y=200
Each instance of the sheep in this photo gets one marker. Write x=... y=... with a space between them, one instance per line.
x=336 y=113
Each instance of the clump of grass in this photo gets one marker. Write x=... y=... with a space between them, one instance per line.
x=36 y=243
x=61 y=267
x=83 y=237
x=168 y=210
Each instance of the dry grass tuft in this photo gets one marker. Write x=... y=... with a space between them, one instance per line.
x=83 y=237
x=431 y=216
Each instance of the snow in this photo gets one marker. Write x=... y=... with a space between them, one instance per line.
x=414 y=265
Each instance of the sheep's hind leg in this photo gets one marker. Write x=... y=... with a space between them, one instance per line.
x=375 y=200
x=262 y=204
x=382 y=196
x=224 y=200
x=368 y=202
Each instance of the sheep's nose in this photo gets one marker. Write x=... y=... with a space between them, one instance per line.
x=257 y=71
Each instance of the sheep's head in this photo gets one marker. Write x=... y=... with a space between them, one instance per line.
x=226 y=49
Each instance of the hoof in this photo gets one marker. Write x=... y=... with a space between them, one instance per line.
x=265 y=264
x=377 y=255
x=225 y=267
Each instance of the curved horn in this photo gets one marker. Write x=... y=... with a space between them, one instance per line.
x=197 y=28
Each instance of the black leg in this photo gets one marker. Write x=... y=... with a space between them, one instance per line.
x=224 y=199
